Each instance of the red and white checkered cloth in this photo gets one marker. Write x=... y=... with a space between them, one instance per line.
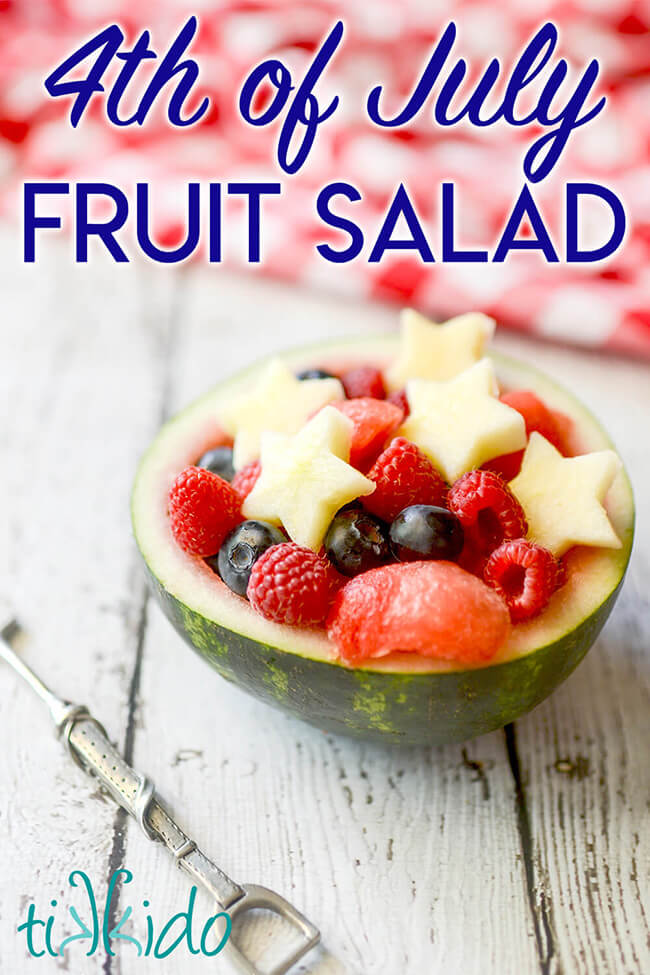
x=606 y=306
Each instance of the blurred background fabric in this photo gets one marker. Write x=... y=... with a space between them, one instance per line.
x=605 y=306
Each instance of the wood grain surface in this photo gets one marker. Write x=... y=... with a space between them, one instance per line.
x=525 y=851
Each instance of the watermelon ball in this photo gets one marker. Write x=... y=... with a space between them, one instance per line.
x=241 y=550
x=425 y=531
x=364 y=381
x=434 y=609
x=219 y=461
x=373 y=422
x=356 y=542
x=315 y=374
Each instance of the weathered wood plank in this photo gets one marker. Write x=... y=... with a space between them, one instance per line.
x=81 y=386
x=583 y=754
x=386 y=849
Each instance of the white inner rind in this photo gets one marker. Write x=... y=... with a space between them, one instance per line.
x=593 y=573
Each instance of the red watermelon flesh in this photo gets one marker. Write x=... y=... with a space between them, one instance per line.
x=435 y=609
x=374 y=420
x=538 y=417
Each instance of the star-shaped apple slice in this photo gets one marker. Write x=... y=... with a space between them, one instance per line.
x=279 y=402
x=563 y=496
x=461 y=423
x=438 y=352
x=305 y=479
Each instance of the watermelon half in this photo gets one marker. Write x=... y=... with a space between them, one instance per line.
x=402 y=697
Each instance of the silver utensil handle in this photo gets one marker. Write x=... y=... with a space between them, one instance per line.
x=91 y=748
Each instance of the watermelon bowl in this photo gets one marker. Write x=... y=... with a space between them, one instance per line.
x=402 y=698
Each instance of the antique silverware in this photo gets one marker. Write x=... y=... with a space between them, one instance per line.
x=91 y=749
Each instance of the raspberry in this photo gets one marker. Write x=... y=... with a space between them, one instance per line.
x=203 y=508
x=364 y=381
x=374 y=421
x=245 y=480
x=400 y=399
x=488 y=511
x=525 y=575
x=290 y=584
x=403 y=476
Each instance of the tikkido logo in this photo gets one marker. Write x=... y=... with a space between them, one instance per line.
x=559 y=108
x=103 y=930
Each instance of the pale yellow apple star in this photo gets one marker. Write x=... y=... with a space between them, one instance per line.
x=562 y=497
x=277 y=402
x=461 y=423
x=438 y=352
x=305 y=479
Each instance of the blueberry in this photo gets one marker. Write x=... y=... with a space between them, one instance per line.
x=241 y=550
x=315 y=374
x=219 y=461
x=356 y=541
x=423 y=531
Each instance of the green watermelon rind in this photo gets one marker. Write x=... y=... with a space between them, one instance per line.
x=385 y=700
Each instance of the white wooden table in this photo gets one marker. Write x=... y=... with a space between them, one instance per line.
x=523 y=852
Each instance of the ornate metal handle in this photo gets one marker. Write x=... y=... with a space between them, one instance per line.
x=90 y=747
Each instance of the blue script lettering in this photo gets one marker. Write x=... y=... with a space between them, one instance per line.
x=543 y=154
x=303 y=109
x=105 y=46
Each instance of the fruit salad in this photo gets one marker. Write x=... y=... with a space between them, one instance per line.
x=416 y=507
